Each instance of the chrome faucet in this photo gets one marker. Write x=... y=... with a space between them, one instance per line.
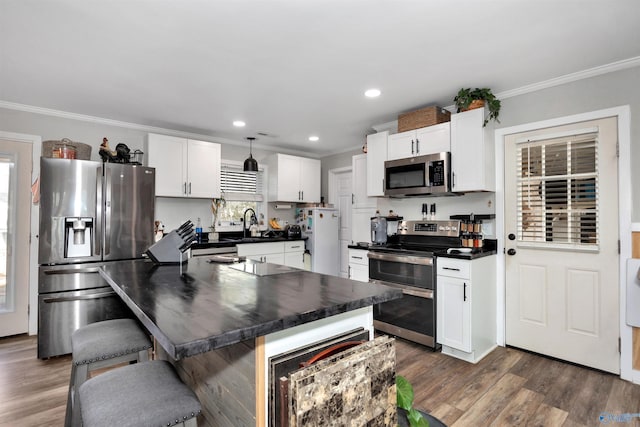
x=253 y=220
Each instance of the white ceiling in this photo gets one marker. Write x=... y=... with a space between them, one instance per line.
x=293 y=68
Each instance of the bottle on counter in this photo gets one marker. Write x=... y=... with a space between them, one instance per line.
x=198 y=231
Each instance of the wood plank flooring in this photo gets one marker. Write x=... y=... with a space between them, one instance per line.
x=509 y=387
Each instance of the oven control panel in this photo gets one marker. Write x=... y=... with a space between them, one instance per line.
x=448 y=228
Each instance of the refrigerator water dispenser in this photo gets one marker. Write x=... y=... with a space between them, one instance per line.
x=78 y=236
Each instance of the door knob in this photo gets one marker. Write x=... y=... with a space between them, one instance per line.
x=511 y=236
x=511 y=251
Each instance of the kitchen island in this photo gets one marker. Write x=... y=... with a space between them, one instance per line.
x=220 y=324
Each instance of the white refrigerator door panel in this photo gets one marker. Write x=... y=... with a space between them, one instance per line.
x=325 y=246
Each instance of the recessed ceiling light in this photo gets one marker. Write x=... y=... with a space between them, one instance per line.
x=239 y=123
x=372 y=93
x=314 y=138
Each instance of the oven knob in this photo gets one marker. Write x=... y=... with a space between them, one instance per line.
x=447 y=228
x=441 y=228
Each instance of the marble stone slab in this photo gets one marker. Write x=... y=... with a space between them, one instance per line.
x=355 y=387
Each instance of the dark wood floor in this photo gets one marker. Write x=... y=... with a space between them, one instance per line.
x=507 y=388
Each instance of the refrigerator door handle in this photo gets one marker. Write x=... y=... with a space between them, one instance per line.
x=99 y=212
x=80 y=297
x=94 y=270
x=107 y=211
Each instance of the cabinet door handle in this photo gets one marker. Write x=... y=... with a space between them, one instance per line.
x=412 y=147
x=450 y=268
x=189 y=188
x=453 y=179
x=349 y=272
x=417 y=146
x=352 y=198
x=294 y=247
x=356 y=257
x=464 y=292
x=184 y=191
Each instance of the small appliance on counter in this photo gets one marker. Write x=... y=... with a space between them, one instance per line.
x=293 y=231
x=384 y=227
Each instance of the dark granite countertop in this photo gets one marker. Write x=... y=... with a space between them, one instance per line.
x=230 y=242
x=475 y=254
x=214 y=305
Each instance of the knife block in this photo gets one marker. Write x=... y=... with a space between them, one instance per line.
x=171 y=249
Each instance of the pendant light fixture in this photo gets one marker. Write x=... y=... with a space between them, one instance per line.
x=250 y=164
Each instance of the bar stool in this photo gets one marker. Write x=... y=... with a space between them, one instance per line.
x=104 y=344
x=144 y=394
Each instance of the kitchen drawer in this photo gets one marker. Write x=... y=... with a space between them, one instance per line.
x=358 y=256
x=295 y=246
x=249 y=249
x=453 y=268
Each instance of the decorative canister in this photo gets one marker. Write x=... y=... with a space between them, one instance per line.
x=64 y=151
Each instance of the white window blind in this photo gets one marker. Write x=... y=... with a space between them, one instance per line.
x=239 y=185
x=558 y=192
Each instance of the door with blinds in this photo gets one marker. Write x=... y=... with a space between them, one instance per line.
x=561 y=225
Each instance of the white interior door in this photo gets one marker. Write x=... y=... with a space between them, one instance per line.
x=15 y=176
x=342 y=186
x=561 y=226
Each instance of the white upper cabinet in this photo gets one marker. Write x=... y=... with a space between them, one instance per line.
x=419 y=142
x=294 y=179
x=184 y=167
x=359 y=182
x=376 y=156
x=472 y=153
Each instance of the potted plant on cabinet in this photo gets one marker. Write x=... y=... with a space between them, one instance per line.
x=468 y=99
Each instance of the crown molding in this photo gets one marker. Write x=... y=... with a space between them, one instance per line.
x=135 y=126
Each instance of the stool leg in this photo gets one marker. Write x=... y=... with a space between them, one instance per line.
x=67 y=416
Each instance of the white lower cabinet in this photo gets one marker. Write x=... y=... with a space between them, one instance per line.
x=294 y=254
x=359 y=265
x=284 y=253
x=466 y=307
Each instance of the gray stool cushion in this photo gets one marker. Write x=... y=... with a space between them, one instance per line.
x=144 y=394
x=107 y=339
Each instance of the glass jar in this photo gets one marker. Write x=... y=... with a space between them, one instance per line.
x=478 y=242
x=477 y=226
x=64 y=151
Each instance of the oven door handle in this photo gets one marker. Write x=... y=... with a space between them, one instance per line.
x=408 y=290
x=80 y=297
x=406 y=259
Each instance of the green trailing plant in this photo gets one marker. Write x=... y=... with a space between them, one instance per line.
x=404 y=396
x=466 y=96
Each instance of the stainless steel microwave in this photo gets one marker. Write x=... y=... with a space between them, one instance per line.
x=420 y=175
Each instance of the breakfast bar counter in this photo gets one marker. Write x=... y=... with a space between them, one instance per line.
x=220 y=323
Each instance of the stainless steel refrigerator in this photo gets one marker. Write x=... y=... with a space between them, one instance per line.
x=91 y=213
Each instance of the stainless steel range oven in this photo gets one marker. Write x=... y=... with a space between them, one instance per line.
x=410 y=265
